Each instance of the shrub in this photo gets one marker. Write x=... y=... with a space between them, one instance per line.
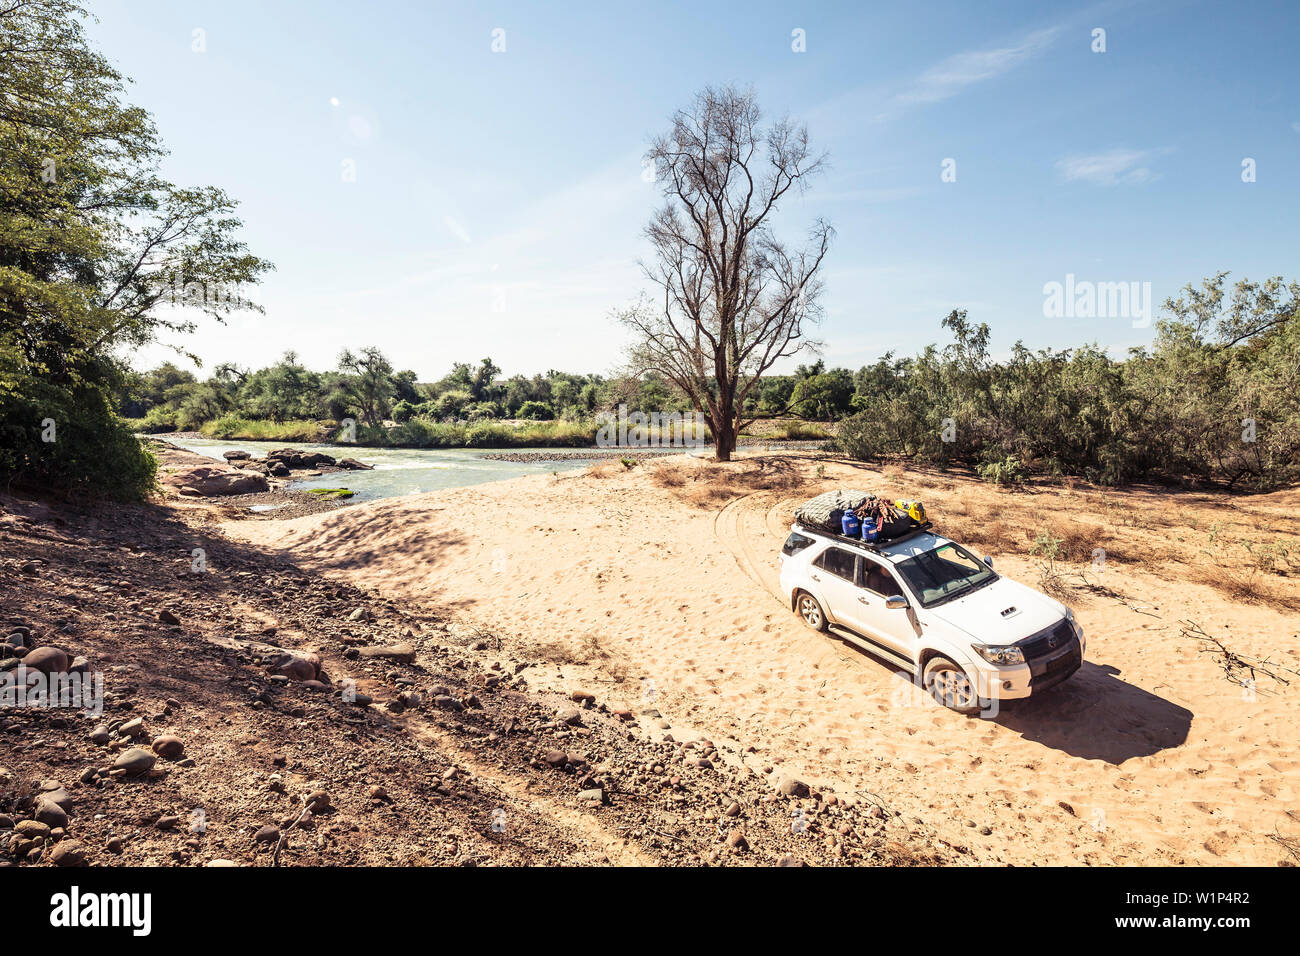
x=91 y=449
x=539 y=411
x=1004 y=471
x=481 y=410
x=450 y=404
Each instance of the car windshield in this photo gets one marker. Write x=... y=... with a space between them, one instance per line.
x=945 y=572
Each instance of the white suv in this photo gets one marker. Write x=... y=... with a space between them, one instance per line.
x=928 y=605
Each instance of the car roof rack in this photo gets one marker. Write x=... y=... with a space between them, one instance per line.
x=879 y=542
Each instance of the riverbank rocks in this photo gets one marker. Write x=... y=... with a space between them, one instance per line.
x=132 y=728
x=135 y=761
x=790 y=787
x=216 y=481
x=53 y=805
x=31 y=829
x=297 y=665
x=236 y=455
x=295 y=458
x=351 y=464
x=401 y=653
x=68 y=853
x=169 y=746
x=47 y=660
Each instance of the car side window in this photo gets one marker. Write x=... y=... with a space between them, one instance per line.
x=838 y=562
x=879 y=579
x=796 y=543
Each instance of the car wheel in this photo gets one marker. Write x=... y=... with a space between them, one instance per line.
x=810 y=611
x=950 y=686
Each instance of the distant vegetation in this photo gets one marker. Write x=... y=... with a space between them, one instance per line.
x=1215 y=399
x=471 y=406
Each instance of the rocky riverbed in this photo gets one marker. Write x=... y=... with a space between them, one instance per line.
x=254 y=713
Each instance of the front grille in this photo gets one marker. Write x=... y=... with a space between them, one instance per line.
x=1047 y=641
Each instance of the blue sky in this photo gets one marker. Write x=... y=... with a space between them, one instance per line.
x=498 y=202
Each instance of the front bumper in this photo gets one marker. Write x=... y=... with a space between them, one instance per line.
x=1052 y=669
x=1023 y=680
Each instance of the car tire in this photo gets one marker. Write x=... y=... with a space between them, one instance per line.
x=808 y=608
x=950 y=686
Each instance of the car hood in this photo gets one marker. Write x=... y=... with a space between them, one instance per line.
x=1001 y=613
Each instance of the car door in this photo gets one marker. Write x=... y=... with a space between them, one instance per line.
x=835 y=574
x=890 y=627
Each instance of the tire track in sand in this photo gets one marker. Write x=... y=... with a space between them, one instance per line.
x=753 y=532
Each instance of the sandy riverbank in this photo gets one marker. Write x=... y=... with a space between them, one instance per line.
x=660 y=581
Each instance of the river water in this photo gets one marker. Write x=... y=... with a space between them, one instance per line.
x=398 y=471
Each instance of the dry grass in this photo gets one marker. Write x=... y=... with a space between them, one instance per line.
x=709 y=484
x=668 y=477
x=1246 y=585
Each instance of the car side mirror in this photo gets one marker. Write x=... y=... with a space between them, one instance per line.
x=895 y=602
x=988 y=559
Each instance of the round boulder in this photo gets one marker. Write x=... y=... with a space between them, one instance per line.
x=135 y=761
x=169 y=746
x=47 y=660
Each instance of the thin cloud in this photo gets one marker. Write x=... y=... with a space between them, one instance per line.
x=1116 y=167
x=457 y=229
x=953 y=75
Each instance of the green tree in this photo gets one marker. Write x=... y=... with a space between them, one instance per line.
x=98 y=253
x=367 y=380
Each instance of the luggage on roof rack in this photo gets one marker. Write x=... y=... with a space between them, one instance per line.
x=826 y=511
x=860 y=514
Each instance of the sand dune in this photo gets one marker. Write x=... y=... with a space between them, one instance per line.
x=660 y=584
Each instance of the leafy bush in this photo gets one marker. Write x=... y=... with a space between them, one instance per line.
x=450 y=404
x=71 y=439
x=481 y=410
x=535 y=410
x=1005 y=471
x=154 y=421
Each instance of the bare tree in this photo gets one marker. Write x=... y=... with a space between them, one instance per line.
x=735 y=299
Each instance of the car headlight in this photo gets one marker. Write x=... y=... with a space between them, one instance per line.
x=1000 y=654
x=1078 y=629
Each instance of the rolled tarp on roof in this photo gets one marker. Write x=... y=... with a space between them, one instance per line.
x=823 y=513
